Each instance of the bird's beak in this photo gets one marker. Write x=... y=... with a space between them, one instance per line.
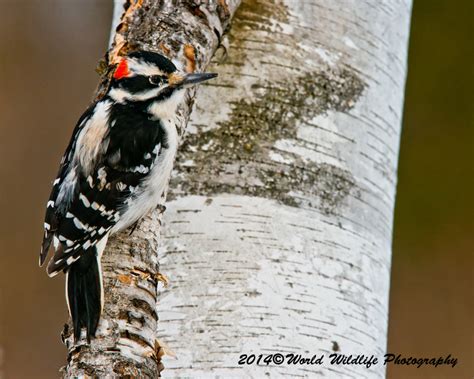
x=190 y=79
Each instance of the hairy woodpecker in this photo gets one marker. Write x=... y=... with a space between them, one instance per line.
x=113 y=172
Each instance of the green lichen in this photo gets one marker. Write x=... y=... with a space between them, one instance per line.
x=234 y=158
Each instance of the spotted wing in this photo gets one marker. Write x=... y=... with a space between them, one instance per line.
x=101 y=196
x=53 y=209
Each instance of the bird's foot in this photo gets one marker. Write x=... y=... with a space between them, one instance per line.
x=161 y=208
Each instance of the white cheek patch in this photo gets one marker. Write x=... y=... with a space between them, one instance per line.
x=120 y=96
x=166 y=109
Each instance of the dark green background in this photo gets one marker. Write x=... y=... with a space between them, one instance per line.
x=47 y=53
x=431 y=304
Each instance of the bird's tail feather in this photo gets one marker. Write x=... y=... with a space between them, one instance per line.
x=85 y=294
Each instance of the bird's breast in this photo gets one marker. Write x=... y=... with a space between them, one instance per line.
x=150 y=191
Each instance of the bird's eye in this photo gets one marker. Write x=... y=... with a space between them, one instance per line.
x=156 y=79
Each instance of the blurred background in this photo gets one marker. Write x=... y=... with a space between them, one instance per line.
x=48 y=51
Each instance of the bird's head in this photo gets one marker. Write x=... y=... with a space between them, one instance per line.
x=144 y=76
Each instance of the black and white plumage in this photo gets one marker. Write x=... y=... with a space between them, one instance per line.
x=113 y=172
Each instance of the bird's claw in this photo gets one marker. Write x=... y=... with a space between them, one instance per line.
x=161 y=208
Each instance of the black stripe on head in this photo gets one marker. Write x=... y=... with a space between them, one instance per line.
x=160 y=61
x=165 y=94
x=136 y=84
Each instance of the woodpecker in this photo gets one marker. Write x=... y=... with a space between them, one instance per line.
x=114 y=172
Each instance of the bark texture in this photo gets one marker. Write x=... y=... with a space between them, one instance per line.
x=278 y=237
x=189 y=31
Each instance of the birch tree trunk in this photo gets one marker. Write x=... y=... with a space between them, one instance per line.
x=278 y=235
x=189 y=31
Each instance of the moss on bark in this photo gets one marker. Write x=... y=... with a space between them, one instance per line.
x=235 y=157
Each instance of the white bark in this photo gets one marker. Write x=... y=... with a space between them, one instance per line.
x=278 y=238
x=126 y=344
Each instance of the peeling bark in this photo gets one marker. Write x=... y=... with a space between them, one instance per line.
x=188 y=31
x=278 y=235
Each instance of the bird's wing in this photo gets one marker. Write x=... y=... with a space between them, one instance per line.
x=88 y=198
x=52 y=215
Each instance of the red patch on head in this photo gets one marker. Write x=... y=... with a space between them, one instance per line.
x=122 y=70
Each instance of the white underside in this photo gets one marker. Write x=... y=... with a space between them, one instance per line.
x=150 y=191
